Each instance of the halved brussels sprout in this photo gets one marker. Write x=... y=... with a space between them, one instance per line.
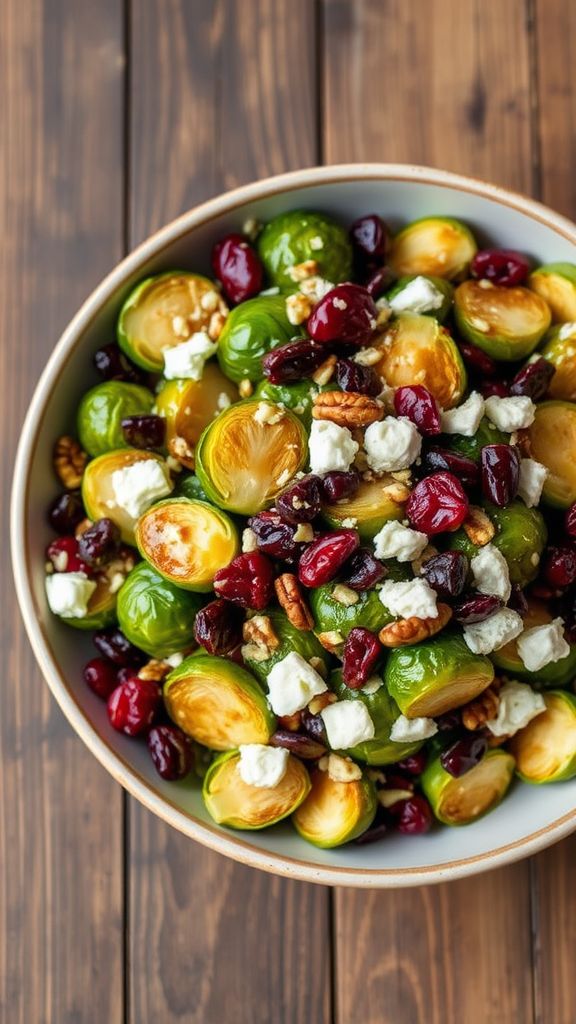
x=218 y=703
x=472 y=447
x=553 y=443
x=97 y=492
x=164 y=311
x=101 y=607
x=101 y=410
x=521 y=536
x=507 y=323
x=155 y=615
x=299 y=397
x=556 y=283
x=231 y=801
x=189 y=486
x=464 y=800
x=243 y=463
x=188 y=406
x=371 y=507
x=291 y=639
x=300 y=235
x=433 y=246
x=187 y=541
x=560 y=350
x=383 y=711
x=440 y=284
x=436 y=675
x=556 y=673
x=330 y=614
x=545 y=750
x=418 y=350
x=252 y=330
x=334 y=813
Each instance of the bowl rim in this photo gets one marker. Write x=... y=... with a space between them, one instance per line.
x=233 y=844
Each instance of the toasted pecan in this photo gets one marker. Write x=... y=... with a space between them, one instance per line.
x=478 y=527
x=69 y=461
x=347 y=408
x=414 y=629
x=291 y=599
x=482 y=709
x=260 y=631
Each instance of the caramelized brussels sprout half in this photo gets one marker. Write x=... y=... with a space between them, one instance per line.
x=164 y=311
x=438 y=284
x=243 y=463
x=383 y=711
x=553 y=443
x=290 y=639
x=252 y=330
x=507 y=323
x=101 y=607
x=188 y=406
x=556 y=284
x=436 y=675
x=434 y=247
x=218 y=703
x=464 y=800
x=560 y=350
x=330 y=615
x=521 y=536
x=231 y=801
x=472 y=447
x=372 y=506
x=556 y=673
x=187 y=541
x=299 y=398
x=417 y=350
x=545 y=750
x=334 y=813
x=102 y=409
x=300 y=235
x=97 y=492
x=155 y=615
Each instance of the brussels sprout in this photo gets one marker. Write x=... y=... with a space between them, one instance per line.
x=417 y=350
x=331 y=615
x=433 y=246
x=298 y=236
x=371 y=507
x=189 y=486
x=243 y=463
x=161 y=312
x=507 y=323
x=556 y=283
x=553 y=443
x=291 y=639
x=154 y=614
x=334 y=813
x=252 y=330
x=187 y=541
x=545 y=750
x=521 y=536
x=556 y=673
x=299 y=398
x=472 y=447
x=102 y=409
x=231 y=801
x=188 y=406
x=560 y=350
x=439 y=283
x=383 y=711
x=97 y=490
x=101 y=607
x=464 y=800
x=436 y=675
x=218 y=703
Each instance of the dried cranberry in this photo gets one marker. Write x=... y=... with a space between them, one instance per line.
x=323 y=558
x=362 y=380
x=437 y=503
x=274 y=536
x=65 y=557
x=570 y=521
x=412 y=816
x=238 y=268
x=376 y=281
x=477 y=360
x=113 y=645
x=362 y=650
x=370 y=237
x=533 y=380
x=338 y=485
x=347 y=313
x=313 y=726
x=362 y=570
x=171 y=751
x=413 y=765
x=302 y=746
x=301 y=502
x=449 y=721
x=437 y=460
x=378 y=830
x=560 y=566
x=218 y=627
x=112 y=364
x=99 y=543
x=517 y=600
x=66 y=511
x=446 y=573
x=500 y=467
x=146 y=431
x=418 y=405
x=463 y=755
x=476 y=608
x=133 y=706
x=101 y=677
x=499 y=388
x=500 y=266
x=292 y=362
x=397 y=780
x=247 y=581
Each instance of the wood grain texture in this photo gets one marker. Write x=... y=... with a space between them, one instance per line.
x=61 y=68
x=215 y=101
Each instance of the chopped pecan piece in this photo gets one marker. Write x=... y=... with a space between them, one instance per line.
x=347 y=409
x=478 y=527
x=291 y=722
x=290 y=598
x=321 y=701
x=302 y=271
x=482 y=709
x=259 y=630
x=340 y=769
x=69 y=462
x=414 y=629
x=325 y=371
x=181 y=450
x=155 y=670
x=331 y=640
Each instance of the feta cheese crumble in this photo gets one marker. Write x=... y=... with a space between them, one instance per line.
x=187 y=359
x=292 y=683
x=412 y=730
x=392 y=444
x=331 y=447
x=68 y=594
x=510 y=414
x=491 y=634
x=541 y=645
x=262 y=766
x=136 y=487
x=418 y=296
x=465 y=419
x=566 y=331
x=413 y=597
x=397 y=541
x=266 y=413
x=490 y=572
x=532 y=478
x=347 y=723
x=372 y=685
x=519 y=704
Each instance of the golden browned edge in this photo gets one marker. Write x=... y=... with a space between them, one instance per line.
x=119 y=768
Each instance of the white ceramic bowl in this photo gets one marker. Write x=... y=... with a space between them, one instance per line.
x=531 y=817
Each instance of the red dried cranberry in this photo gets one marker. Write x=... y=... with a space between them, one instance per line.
x=113 y=645
x=247 y=581
x=463 y=755
x=500 y=468
x=274 y=536
x=412 y=816
x=146 y=431
x=533 y=380
x=396 y=780
x=112 y=364
x=378 y=830
x=418 y=405
x=323 y=558
x=99 y=543
x=313 y=726
x=338 y=485
x=362 y=570
x=437 y=504
x=518 y=601
x=65 y=557
x=476 y=608
x=302 y=746
x=133 y=706
x=413 y=765
x=449 y=721
x=446 y=573
x=570 y=521
x=503 y=267
x=101 y=677
x=560 y=566
x=292 y=362
x=376 y=281
x=370 y=237
x=347 y=313
x=66 y=511
x=477 y=360
x=238 y=268
x=171 y=751
x=436 y=460
x=218 y=627
x=499 y=388
x=301 y=502
x=362 y=380
x=362 y=650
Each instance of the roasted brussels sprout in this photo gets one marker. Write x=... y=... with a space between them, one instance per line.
x=253 y=329
x=545 y=750
x=102 y=409
x=189 y=486
x=520 y=535
x=101 y=607
x=371 y=507
x=330 y=615
x=231 y=801
x=560 y=349
x=436 y=284
x=460 y=801
x=383 y=711
x=507 y=323
x=218 y=703
x=555 y=673
x=334 y=813
x=188 y=406
x=299 y=397
x=98 y=494
x=556 y=283
x=417 y=350
x=433 y=246
x=154 y=614
x=472 y=447
x=298 y=236
x=290 y=639
x=436 y=675
x=244 y=460
x=553 y=443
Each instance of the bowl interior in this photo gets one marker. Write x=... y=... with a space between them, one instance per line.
x=530 y=817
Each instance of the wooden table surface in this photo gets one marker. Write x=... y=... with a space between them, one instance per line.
x=115 y=117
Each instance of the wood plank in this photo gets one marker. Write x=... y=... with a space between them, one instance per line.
x=61 y=70
x=220 y=94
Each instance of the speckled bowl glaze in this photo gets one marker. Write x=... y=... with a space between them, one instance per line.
x=531 y=817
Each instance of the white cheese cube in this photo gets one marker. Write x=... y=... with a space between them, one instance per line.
x=412 y=730
x=392 y=444
x=532 y=478
x=397 y=541
x=491 y=634
x=412 y=597
x=262 y=766
x=490 y=572
x=136 y=487
x=466 y=418
x=292 y=683
x=419 y=296
x=187 y=359
x=508 y=414
x=331 y=447
x=68 y=594
x=519 y=704
x=347 y=723
x=541 y=645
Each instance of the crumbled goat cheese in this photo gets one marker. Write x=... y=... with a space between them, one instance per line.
x=532 y=478
x=262 y=766
x=372 y=685
x=347 y=723
x=541 y=645
x=392 y=444
x=409 y=598
x=367 y=356
x=68 y=594
x=519 y=704
x=412 y=730
x=292 y=683
x=267 y=414
x=223 y=401
x=316 y=243
x=397 y=541
x=136 y=487
x=490 y=572
x=566 y=331
x=510 y=414
x=174 y=660
x=339 y=303
x=491 y=634
x=249 y=540
x=465 y=419
x=331 y=447
x=187 y=359
x=418 y=296
x=316 y=287
x=350 y=522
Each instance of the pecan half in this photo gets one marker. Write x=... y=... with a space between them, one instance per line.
x=69 y=462
x=482 y=709
x=478 y=527
x=259 y=630
x=414 y=629
x=347 y=409
x=290 y=598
